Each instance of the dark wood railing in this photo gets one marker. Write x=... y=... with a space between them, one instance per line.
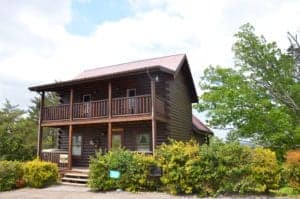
x=122 y=106
x=56 y=156
x=93 y=109
x=59 y=112
x=131 y=105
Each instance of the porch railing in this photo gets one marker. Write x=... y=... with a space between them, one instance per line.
x=131 y=105
x=59 y=157
x=93 y=109
x=59 y=112
x=123 y=106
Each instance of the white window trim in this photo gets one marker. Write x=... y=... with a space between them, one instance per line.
x=90 y=95
x=128 y=91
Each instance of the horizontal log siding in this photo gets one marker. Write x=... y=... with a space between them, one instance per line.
x=141 y=83
x=179 y=109
x=88 y=133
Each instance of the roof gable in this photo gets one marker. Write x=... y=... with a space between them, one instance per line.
x=172 y=64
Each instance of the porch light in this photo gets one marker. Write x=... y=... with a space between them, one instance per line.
x=156 y=78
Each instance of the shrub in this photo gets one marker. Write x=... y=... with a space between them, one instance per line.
x=222 y=168
x=40 y=174
x=10 y=173
x=265 y=171
x=134 y=169
x=173 y=158
x=293 y=157
x=291 y=171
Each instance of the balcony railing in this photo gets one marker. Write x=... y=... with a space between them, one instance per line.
x=123 y=106
x=59 y=112
x=131 y=105
x=93 y=109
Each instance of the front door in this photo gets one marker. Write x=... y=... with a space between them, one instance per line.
x=116 y=139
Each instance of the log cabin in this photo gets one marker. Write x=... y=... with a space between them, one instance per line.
x=137 y=105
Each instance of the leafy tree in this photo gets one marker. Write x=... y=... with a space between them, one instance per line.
x=259 y=98
x=49 y=134
x=15 y=134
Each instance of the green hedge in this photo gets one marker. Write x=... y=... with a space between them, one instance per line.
x=133 y=168
x=220 y=168
x=10 y=173
x=39 y=174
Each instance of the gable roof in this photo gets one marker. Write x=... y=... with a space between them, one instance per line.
x=198 y=125
x=171 y=64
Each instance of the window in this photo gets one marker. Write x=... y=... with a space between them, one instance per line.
x=86 y=98
x=143 y=142
x=76 y=145
x=131 y=92
x=116 y=141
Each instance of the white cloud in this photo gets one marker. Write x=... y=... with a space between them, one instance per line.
x=36 y=47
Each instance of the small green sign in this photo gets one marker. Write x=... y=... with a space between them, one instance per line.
x=114 y=174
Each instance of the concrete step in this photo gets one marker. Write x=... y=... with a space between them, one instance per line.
x=74 y=184
x=79 y=175
x=68 y=179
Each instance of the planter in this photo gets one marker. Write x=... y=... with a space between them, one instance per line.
x=20 y=183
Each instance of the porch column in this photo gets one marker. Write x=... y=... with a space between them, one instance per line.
x=153 y=97
x=40 y=128
x=70 y=146
x=70 y=129
x=109 y=116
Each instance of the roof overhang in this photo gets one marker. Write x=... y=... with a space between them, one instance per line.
x=74 y=82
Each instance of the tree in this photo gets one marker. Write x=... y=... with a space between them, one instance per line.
x=49 y=134
x=259 y=98
x=15 y=134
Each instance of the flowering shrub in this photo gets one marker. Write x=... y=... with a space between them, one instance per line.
x=39 y=174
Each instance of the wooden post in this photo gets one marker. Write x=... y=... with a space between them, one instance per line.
x=153 y=97
x=109 y=130
x=71 y=103
x=70 y=129
x=70 y=147
x=109 y=100
x=109 y=136
x=40 y=128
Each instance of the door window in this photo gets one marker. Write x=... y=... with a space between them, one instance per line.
x=77 y=145
x=116 y=141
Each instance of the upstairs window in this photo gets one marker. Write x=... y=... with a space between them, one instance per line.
x=87 y=98
x=131 y=92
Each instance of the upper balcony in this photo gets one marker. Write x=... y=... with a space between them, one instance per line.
x=121 y=107
x=127 y=98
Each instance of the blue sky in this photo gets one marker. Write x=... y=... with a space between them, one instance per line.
x=87 y=15
x=53 y=40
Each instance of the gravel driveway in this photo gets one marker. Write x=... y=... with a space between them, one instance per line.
x=71 y=192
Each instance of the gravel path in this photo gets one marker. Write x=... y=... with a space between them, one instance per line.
x=70 y=192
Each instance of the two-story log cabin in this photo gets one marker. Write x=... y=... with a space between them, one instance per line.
x=136 y=105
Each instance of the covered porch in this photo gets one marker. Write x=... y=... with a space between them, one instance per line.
x=75 y=146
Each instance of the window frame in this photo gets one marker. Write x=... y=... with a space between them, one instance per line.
x=128 y=92
x=78 y=145
x=139 y=136
x=87 y=95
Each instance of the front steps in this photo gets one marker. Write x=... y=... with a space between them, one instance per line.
x=75 y=178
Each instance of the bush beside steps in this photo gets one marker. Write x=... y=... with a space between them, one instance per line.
x=36 y=173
